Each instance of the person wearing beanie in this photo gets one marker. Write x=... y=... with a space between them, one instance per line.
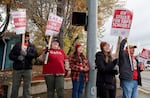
x=79 y=71
x=77 y=46
x=55 y=39
x=102 y=44
x=129 y=70
x=22 y=56
x=106 y=81
x=55 y=69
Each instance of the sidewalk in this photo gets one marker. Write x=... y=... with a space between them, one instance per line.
x=36 y=92
x=68 y=94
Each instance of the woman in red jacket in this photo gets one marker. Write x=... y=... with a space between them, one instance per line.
x=54 y=70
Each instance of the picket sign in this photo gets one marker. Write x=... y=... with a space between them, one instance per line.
x=144 y=55
x=53 y=27
x=121 y=25
x=19 y=19
x=53 y=24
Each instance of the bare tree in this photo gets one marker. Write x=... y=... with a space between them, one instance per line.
x=38 y=11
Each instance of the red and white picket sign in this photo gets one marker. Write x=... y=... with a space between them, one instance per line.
x=145 y=54
x=53 y=24
x=53 y=27
x=121 y=22
x=19 y=19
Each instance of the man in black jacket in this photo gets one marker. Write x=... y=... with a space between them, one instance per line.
x=22 y=56
x=129 y=69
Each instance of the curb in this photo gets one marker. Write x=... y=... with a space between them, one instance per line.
x=144 y=90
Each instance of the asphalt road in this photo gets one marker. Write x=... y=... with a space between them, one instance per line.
x=146 y=80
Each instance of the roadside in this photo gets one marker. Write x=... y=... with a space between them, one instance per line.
x=68 y=93
x=38 y=82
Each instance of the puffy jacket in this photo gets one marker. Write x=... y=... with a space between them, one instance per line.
x=125 y=70
x=27 y=62
x=106 y=73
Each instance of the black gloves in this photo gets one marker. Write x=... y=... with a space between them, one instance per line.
x=47 y=50
x=115 y=71
x=115 y=61
x=23 y=53
x=21 y=57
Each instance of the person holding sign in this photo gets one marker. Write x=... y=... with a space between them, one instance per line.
x=106 y=81
x=22 y=56
x=54 y=69
x=129 y=69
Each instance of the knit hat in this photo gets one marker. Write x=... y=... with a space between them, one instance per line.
x=77 y=46
x=131 y=46
x=55 y=39
x=102 y=44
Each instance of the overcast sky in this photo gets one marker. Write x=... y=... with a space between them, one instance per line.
x=140 y=29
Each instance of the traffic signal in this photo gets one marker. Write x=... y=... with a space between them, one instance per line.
x=79 y=18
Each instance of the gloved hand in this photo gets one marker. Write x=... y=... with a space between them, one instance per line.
x=23 y=53
x=20 y=57
x=47 y=50
x=115 y=61
x=115 y=70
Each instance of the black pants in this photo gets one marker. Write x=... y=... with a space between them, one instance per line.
x=103 y=92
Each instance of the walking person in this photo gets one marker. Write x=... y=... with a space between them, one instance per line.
x=54 y=70
x=22 y=66
x=79 y=71
x=129 y=69
x=105 y=65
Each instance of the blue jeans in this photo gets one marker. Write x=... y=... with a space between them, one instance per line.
x=18 y=76
x=55 y=82
x=129 y=88
x=78 y=87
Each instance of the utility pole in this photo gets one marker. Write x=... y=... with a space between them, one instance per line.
x=91 y=47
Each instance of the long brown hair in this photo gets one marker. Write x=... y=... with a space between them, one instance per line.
x=77 y=57
x=108 y=55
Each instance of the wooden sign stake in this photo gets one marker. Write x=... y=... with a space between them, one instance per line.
x=49 y=46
